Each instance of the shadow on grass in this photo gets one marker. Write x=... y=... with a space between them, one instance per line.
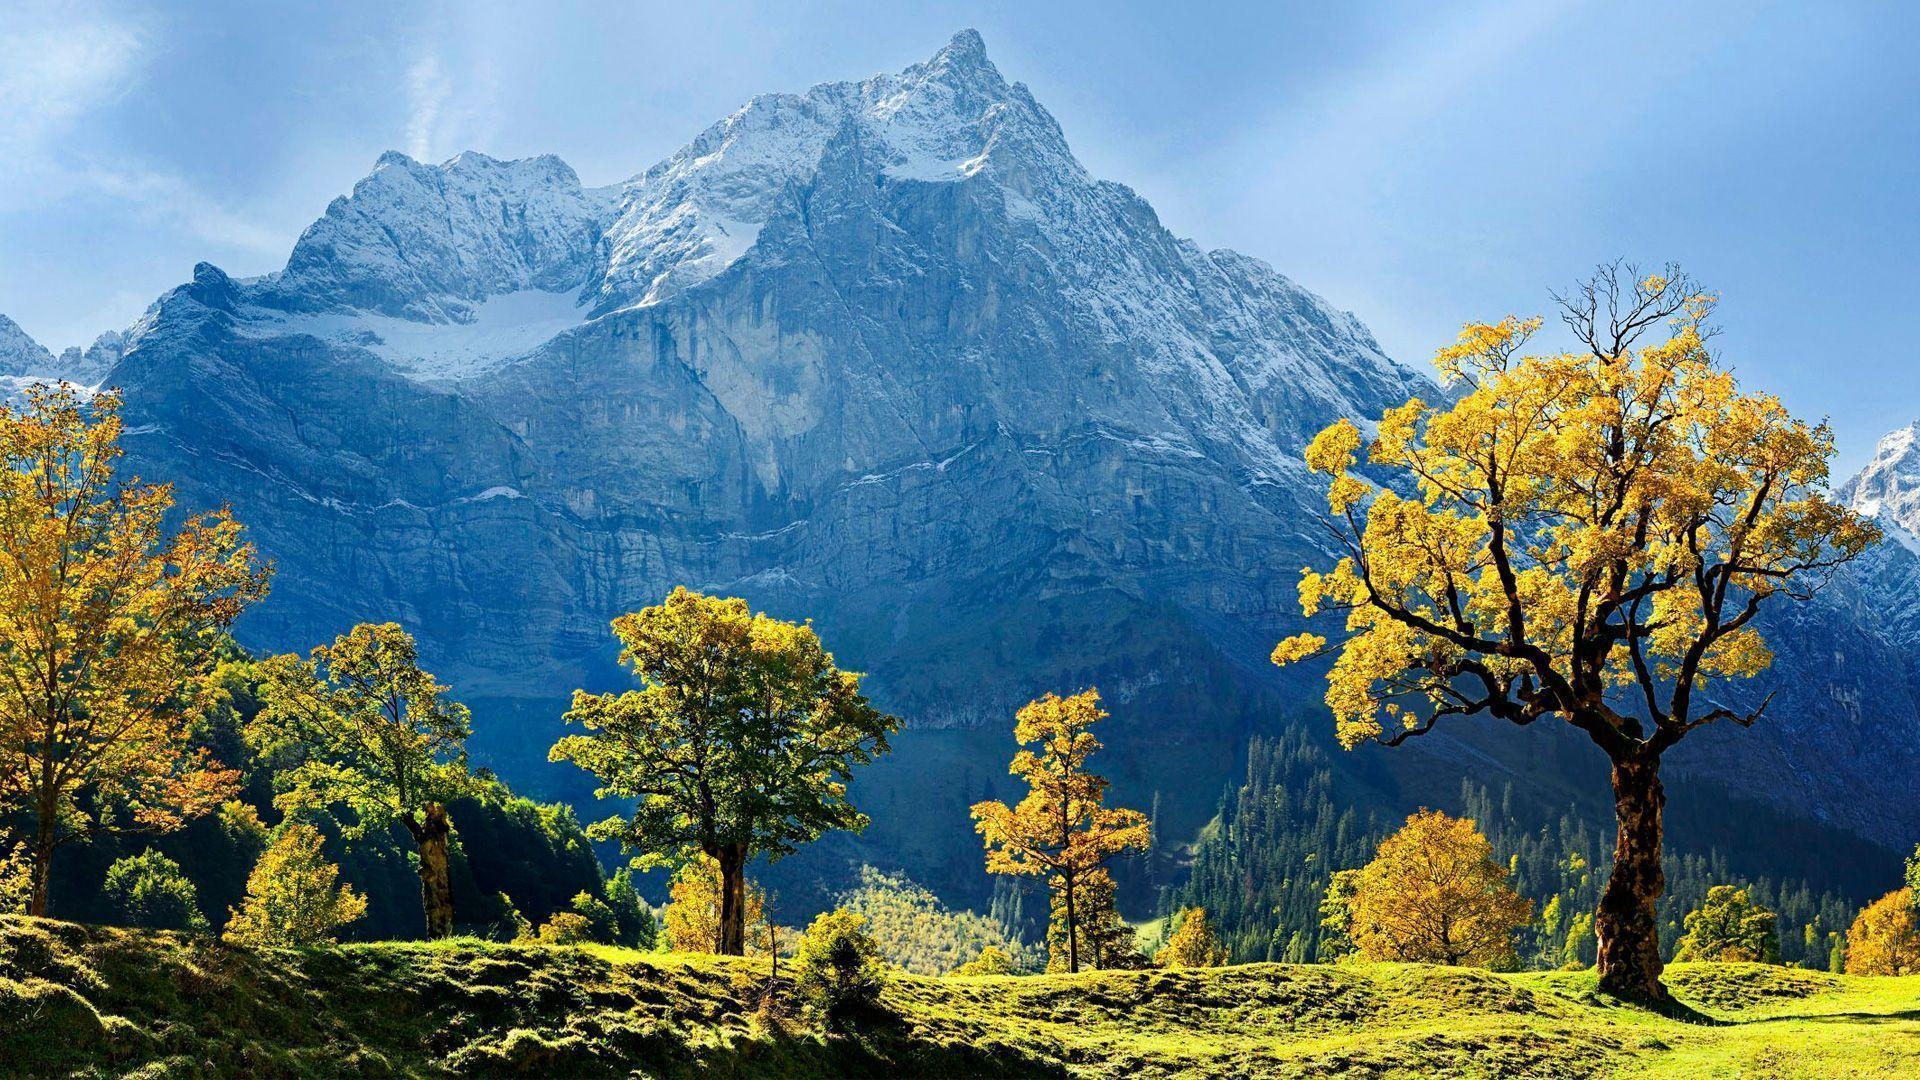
x=1838 y=1018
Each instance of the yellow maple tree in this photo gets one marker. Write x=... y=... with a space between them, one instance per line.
x=1434 y=894
x=1061 y=828
x=1586 y=535
x=109 y=627
x=1885 y=937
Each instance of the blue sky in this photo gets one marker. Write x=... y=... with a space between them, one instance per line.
x=1419 y=163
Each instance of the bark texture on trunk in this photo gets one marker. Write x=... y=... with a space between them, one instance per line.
x=1625 y=926
x=1073 y=931
x=42 y=870
x=733 y=900
x=436 y=884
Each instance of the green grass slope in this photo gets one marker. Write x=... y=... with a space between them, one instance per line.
x=91 y=1001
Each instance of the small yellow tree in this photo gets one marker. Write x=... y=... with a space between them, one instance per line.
x=1587 y=536
x=1193 y=942
x=1434 y=894
x=692 y=915
x=1884 y=938
x=1061 y=829
x=109 y=623
x=292 y=897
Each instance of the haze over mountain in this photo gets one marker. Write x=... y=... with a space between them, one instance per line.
x=885 y=355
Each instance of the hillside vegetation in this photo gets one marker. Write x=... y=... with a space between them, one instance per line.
x=91 y=1001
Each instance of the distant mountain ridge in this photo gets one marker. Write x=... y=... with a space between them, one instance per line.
x=884 y=355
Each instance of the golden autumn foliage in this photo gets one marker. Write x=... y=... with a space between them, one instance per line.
x=294 y=897
x=1885 y=937
x=1193 y=942
x=692 y=915
x=1434 y=894
x=1585 y=535
x=1061 y=829
x=108 y=628
x=1575 y=523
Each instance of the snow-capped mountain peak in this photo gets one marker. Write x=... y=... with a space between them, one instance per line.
x=19 y=353
x=1888 y=488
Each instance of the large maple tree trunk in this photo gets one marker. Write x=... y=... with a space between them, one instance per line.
x=436 y=883
x=1625 y=925
x=733 y=900
x=42 y=869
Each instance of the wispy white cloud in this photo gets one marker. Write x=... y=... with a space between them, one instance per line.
x=57 y=62
x=165 y=198
x=427 y=93
x=452 y=89
x=63 y=65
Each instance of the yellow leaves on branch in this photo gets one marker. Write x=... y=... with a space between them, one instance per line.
x=1434 y=894
x=1573 y=531
x=108 y=628
x=1885 y=937
x=1061 y=827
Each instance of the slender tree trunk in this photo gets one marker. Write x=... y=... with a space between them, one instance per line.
x=1073 y=930
x=42 y=869
x=1625 y=927
x=733 y=900
x=436 y=884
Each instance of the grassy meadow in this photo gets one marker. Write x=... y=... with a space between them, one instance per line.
x=93 y=1001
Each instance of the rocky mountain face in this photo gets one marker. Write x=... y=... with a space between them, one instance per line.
x=20 y=354
x=881 y=354
x=24 y=359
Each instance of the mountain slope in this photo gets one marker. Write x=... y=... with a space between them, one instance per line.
x=882 y=354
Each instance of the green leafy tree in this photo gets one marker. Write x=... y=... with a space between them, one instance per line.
x=359 y=726
x=634 y=923
x=604 y=924
x=837 y=968
x=1060 y=829
x=294 y=898
x=1729 y=927
x=739 y=744
x=151 y=891
x=1336 y=915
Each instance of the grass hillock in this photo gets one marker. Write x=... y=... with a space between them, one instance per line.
x=93 y=1001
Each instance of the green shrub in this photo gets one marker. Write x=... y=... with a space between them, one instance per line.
x=837 y=969
x=605 y=926
x=150 y=890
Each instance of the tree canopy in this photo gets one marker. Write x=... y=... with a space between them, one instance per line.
x=740 y=742
x=359 y=726
x=1587 y=535
x=1433 y=894
x=109 y=622
x=293 y=895
x=1062 y=828
x=1885 y=938
x=1729 y=927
